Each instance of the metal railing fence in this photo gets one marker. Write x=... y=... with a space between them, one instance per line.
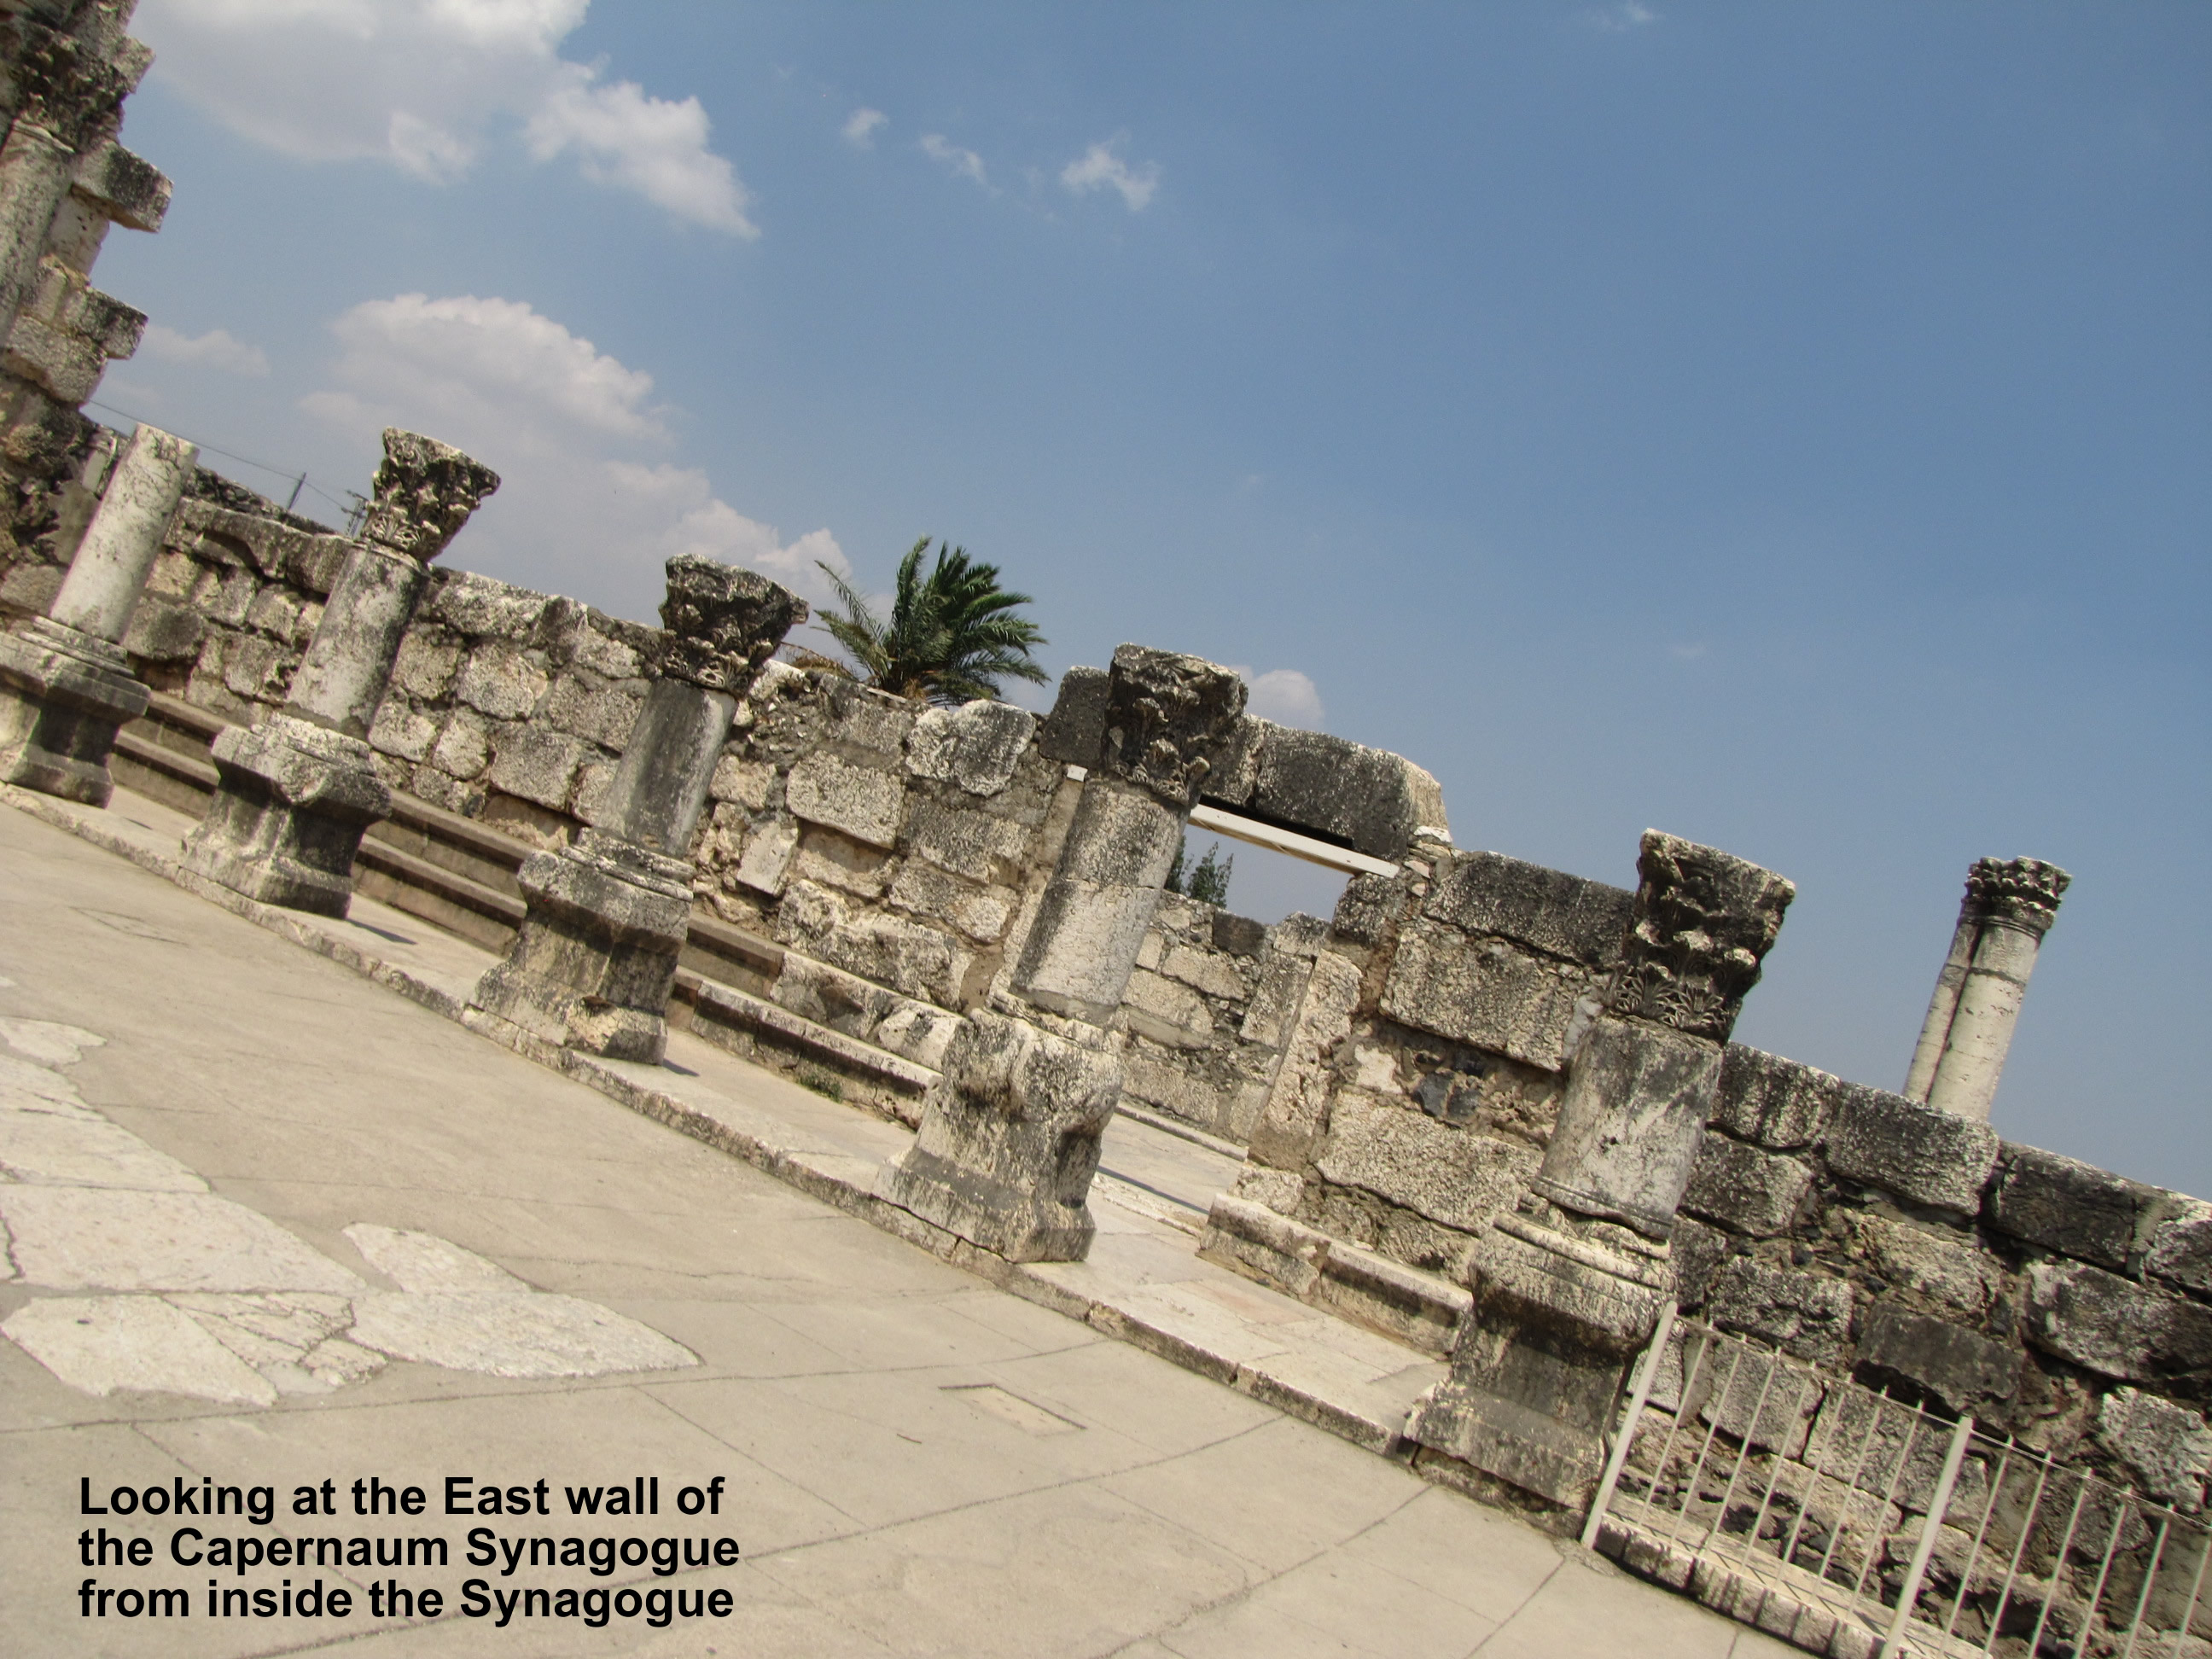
x=1858 y=1524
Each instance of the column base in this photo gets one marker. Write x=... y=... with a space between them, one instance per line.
x=289 y=815
x=594 y=961
x=1559 y=1318
x=63 y=695
x=1009 y=1141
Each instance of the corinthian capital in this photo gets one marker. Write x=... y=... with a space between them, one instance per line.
x=1704 y=921
x=1167 y=718
x=423 y=494
x=723 y=623
x=2022 y=891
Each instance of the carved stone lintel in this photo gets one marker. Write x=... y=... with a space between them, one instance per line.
x=1703 y=919
x=423 y=493
x=1167 y=718
x=723 y=623
x=2024 y=892
x=1009 y=1140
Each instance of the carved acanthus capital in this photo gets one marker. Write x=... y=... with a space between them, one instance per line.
x=2022 y=891
x=1167 y=719
x=1703 y=919
x=423 y=494
x=723 y=623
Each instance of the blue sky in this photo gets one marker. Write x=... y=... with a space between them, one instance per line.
x=1782 y=426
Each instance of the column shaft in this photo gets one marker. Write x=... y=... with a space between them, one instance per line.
x=65 y=685
x=594 y=961
x=2011 y=903
x=34 y=176
x=1009 y=1138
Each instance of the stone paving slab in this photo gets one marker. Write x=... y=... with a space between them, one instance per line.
x=919 y=1462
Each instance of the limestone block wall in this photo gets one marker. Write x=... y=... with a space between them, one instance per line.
x=1421 y=1077
x=2054 y=1301
x=53 y=460
x=1207 y=1010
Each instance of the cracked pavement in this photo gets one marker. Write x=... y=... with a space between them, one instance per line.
x=916 y=1463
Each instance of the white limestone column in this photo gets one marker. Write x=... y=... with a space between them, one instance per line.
x=119 y=546
x=2010 y=904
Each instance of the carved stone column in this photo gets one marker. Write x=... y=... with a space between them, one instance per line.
x=65 y=685
x=1009 y=1140
x=299 y=790
x=594 y=961
x=1569 y=1287
x=2010 y=904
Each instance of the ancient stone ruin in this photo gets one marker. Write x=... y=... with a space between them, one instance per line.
x=1486 y=1110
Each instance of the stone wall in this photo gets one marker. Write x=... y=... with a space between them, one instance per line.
x=1206 y=1012
x=72 y=66
x=2054 y=1301
x=1424 y=1071
x=894 y=852
x=1849 y=1227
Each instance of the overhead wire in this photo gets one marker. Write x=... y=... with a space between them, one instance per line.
x=232 y=455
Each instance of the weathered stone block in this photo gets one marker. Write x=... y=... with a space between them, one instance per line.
x=1073 y=732
x=479 y=606
x=1930 y=1264
x=2114 y=1326
x=537 y=764
x=1745 y=1189
x=1165 y=1011
x=2165 y=1446
x=1547 y=910
x=399 y=729
x=976 y=746
x=769 y=847
x=2181 y=1249
x=1204 y=971
x=1365 y=799
x=838 y=861
x=748 y=782
x=165 y=633
x=1774 y=1102
x=1958 y=1367
x=464 y=747
x=1483 y=992
x=1298 y=1102
x=1926 y=1156
x=499 y=681
x=1239 y=936
x=1009 y=1141
x=1457 y=1177
x=1807 y=1315
x=1699 y=1253
x=1368 y=906
x=604 y=713
x=429 y=658
x=2067 y=1206
x=862 y=802
x=873 y=721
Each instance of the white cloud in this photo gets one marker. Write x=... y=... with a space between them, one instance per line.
x=645 y=144
x=861 y=130
x=1621 y=19
x=420 y=83
x=218 y=349
x=578 y=512
x=1285 y=696
x=965 y=163
x=481 y=360
x=1100 y=168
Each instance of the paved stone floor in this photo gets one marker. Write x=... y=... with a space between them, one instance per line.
x=298 y=1228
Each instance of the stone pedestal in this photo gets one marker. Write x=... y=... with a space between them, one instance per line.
x=1009 y=1140
x=298 y=792
x=1570 y=1288
x=2009 y=905
x=65 y=685
x=594 y=961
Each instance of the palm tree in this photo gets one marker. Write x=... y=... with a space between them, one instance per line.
x=951 y=637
